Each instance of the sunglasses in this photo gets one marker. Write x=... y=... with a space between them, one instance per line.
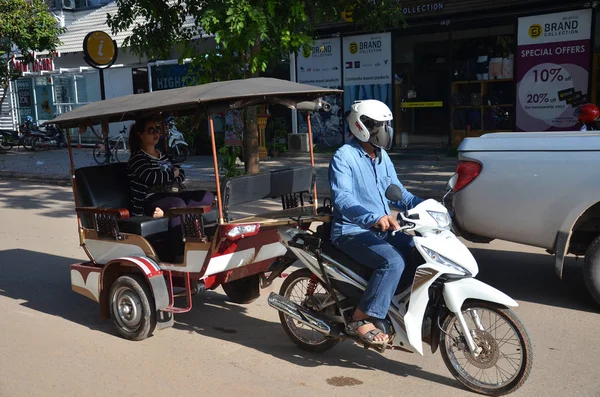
x=153 y=130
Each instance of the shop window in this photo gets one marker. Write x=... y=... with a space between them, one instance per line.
x=483 y=89
x=44 y=98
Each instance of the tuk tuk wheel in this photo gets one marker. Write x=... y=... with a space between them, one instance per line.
x=132 y=307
x=244 y=290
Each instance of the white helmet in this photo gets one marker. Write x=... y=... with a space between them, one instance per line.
x=370 y=120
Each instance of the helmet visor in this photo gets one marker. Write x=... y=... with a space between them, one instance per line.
x=383 y=135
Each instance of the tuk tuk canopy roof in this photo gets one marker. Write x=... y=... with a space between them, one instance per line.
x=211 y=97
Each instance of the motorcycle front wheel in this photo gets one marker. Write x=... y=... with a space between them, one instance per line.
x=506 y=358
x=302 y=288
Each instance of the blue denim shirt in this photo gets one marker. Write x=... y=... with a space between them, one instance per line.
x=358 y=185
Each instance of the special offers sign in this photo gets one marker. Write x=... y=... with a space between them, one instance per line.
x=368 y=59
x=553 y=63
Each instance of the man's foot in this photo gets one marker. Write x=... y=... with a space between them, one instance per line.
x=158 y=213
x=367 y=332
x=368 y=327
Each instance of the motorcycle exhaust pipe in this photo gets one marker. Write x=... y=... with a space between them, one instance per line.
x=299 y=313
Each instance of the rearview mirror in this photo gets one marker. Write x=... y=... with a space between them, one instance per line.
x=393 y=193
x=452 y=182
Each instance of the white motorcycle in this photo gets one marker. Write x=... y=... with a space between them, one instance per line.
x=176 y=144
x=438 y=301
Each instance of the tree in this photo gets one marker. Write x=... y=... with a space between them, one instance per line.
x=26 y=26
x=249 y=34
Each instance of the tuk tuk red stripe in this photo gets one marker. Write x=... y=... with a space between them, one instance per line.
x=144 y=264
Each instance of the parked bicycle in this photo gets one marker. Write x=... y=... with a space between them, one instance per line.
x=117 y=149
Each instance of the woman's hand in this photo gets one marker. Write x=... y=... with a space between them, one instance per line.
x=176 y=171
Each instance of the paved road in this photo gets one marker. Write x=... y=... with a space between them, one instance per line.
x=53 y=343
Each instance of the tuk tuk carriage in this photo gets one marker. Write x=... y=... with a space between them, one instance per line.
x=127 y=272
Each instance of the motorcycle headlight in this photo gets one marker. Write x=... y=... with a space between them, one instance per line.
x=442 y=260
x=442 y=219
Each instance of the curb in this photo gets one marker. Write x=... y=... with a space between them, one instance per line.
x=200 y=185
x=39 y=178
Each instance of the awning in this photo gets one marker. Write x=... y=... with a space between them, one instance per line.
x=212 y=97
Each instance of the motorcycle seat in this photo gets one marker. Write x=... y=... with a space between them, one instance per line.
x=330 y=250
x=366 y=272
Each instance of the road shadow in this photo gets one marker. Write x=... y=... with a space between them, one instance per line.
x=222 y=320
x=43 y=282
x=530 y=277
x=49 y=200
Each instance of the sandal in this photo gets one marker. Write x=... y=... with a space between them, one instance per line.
x=367 y=337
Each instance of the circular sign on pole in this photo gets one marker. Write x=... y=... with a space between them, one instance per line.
x=100 y=49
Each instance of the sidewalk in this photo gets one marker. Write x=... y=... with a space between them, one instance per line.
x=425 y=176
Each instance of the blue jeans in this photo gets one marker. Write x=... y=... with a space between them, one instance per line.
x=384 y=253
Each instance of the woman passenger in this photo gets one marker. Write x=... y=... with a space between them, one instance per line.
x=152 y=172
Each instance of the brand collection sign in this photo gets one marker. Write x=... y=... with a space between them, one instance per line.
x=553 y=64
x=322 y=66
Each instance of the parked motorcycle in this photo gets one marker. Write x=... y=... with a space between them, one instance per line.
x=438 y=301
x=177 y=147
x=50 y=137
x=22 y=137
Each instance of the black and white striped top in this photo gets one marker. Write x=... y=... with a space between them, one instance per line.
x=145 y=171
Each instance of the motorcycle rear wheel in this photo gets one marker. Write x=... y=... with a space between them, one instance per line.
x=459 y=360
x=5 y=144
x=300 y=279
x=180 y=153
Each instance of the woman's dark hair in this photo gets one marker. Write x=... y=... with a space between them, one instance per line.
x=137 y=129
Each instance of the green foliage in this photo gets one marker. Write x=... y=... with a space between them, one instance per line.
x=228 y=161
x=278 y=128
x=249 y=33
x=26 y=26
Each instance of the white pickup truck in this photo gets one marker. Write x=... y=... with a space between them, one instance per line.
x=539 y=189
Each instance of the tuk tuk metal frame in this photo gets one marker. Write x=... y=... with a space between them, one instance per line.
x=237 y=255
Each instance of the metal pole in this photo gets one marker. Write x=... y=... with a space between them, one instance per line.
x=216 y=166
x=312 y=160
x=102 y=91
x=294 y=78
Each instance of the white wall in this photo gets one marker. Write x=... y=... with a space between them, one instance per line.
x=118 y=82
x=75 y=59
x=6 y=112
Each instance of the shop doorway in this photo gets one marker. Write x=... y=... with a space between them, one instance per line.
x=422 y=91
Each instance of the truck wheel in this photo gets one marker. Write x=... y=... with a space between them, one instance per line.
x=591 y=269
x=132 y=307
x=244 y=290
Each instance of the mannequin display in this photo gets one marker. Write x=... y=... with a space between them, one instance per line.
x=495 y=69
x=507 y=67
x=482 y=67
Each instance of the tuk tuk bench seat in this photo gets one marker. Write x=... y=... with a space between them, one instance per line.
x=289 y=183
x=107 y=186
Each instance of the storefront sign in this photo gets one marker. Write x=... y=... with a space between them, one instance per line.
x=38 y=65
x=423 y=8
x=431 y=104
x=100 y=50
x=322 y=66
x=166 y=77
x=24 y=94
x=367 y=62
x=553 y=63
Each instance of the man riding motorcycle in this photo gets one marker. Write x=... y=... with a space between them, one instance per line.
x=359 y=174
x=588 y=115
